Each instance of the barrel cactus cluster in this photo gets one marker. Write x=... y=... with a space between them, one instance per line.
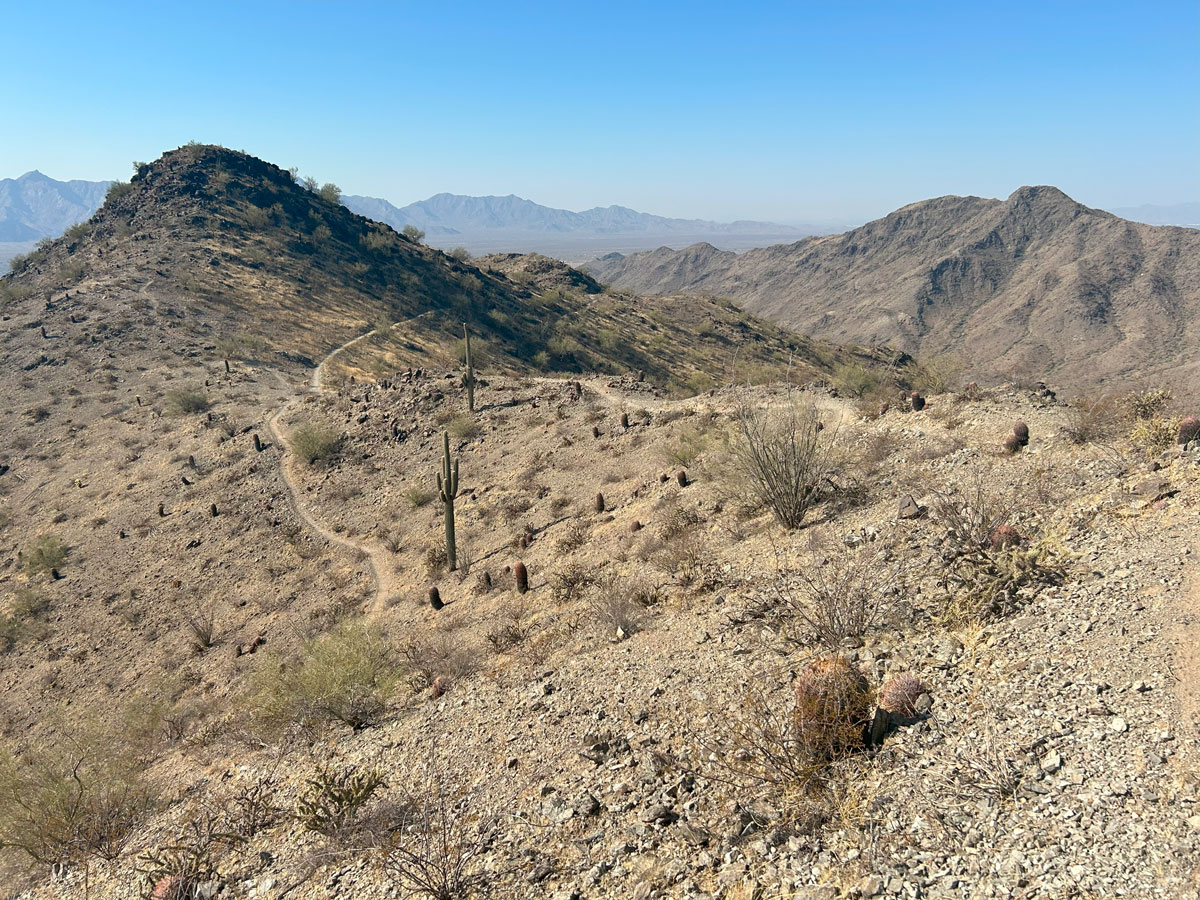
x=899 y=695
x=1018 y=439
x=832 y=704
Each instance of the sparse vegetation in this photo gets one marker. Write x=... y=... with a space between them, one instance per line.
x=784 y=457
x=344 y=676
x=334 y=797
x=314 y=442
x=47 y=554
x=187 y=401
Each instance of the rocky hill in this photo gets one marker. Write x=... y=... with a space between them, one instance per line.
x=1036 y=284
x=237 y=662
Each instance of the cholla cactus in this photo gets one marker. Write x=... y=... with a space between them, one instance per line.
x=899 y=695
x=832 y=699
x=1189 y=430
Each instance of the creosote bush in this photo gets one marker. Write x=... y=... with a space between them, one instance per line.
x=187 y=400
x=47 y=554
x=344 y=676
x=314 y=441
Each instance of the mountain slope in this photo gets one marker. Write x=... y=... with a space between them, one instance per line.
x=1036 y=283
x=36 y=206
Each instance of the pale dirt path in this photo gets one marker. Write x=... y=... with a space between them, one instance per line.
x=377 y=556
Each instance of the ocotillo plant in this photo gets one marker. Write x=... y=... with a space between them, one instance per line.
x=447 y=482
x=469 y=375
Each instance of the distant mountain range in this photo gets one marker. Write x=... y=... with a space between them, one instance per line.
x=35 y=206
x=1036 y=285
x=513 y=224
x=1186 y=214
x=454 y=214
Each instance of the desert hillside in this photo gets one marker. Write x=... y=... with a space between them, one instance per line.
x=655 y=600
x=1037 y=285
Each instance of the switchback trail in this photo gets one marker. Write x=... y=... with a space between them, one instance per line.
x=377 y=556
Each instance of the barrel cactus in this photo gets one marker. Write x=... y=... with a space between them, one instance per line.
x=1189 y=430
x=1021 y=432
x=1004 y=536
x=521 y=577
x=1012 y=444
x=832 y=700
x=899 y=695
x=918 y=402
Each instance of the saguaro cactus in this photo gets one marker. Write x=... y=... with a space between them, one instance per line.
x=447 y=482
x=469 y=375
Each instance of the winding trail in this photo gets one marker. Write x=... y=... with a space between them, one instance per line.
x=376 y=556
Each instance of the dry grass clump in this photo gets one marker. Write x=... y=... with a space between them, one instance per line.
x=1092 y=419
x=616 y=604
x=314 y=441
x=1155 y=434
x=344 y=676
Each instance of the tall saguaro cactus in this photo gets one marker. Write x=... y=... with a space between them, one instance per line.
x=469 y=375
x=447 y=482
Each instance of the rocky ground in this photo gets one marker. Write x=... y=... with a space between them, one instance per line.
x=598 y=742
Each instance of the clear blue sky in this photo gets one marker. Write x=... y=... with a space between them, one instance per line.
x=831 y=111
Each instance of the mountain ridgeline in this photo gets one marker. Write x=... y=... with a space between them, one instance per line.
x=230 y=253
x=1036 y=285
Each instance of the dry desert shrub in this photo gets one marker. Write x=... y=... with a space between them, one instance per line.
x=442 y=845
x=1092 y=419
x=314 y=441
x=334 y=797
x=346 y=675
x=783 y=454
x=77 y=798
x=187 y=401
x=845 y=593
x=437 y=656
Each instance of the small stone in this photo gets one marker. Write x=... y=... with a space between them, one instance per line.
x=587 y=805
x=659 y=815
x=908 y=508
x=870 y=886
x=1051 y=762
x=1118 y=725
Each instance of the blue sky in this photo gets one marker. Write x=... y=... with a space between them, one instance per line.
x=831 y=112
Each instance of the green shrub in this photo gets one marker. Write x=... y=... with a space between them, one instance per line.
x=462 y=254
x=187 y=400
x=314 y=441
x=48 y=553
x=344 y=676
x=413 y=233
x=331 y=192
x=117 y=190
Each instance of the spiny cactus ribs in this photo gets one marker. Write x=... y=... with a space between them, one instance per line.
x=1004 y=536
x=899 y=695
x=1021 y=433
x=599 y=503
x=1012 y=444
x=521 y=577
x=832 y=699
x=1189 y=430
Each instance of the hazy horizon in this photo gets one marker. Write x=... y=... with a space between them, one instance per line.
x=775 y=113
